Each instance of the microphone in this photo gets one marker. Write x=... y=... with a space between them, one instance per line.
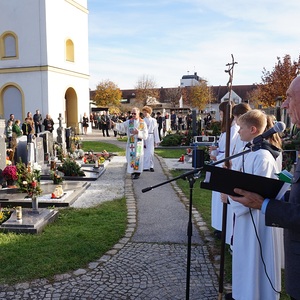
x=147 y=189
x=278 y=127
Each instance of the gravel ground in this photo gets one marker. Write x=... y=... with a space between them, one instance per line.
x=108 y=186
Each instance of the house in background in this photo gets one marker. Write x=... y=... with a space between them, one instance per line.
x=190 y=80
x=44 y=59
x=220 y=93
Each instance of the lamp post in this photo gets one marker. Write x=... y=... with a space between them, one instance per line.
x=278 y=102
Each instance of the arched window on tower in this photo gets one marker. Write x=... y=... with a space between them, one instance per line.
x=69 y=50
x=9 y=45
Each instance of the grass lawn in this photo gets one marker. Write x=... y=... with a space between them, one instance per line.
x=78 y=237
x=100 y=146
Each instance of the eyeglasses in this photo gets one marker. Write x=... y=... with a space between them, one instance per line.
x=133 y=113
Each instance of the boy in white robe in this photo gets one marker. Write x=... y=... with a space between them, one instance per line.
x=249 y=278
x=137 y=131
x=152 y=141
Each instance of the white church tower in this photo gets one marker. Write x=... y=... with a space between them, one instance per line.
x=44 y=59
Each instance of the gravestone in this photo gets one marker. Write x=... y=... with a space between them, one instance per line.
x=68 y=137
x=2 y=126
x=39 y=150
x=61 y=134
x=21 y=150
x=31 y=153
x=2 y=153
x=47 y=144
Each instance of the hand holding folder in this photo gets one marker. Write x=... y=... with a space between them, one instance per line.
x=225 y=181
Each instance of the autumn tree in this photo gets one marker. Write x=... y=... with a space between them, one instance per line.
x=275 y=83
x=253 y=97
x=107 y=94
x=173 y=95
x=200 y=95
x=145 y=88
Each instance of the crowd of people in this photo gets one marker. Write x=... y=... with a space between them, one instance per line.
x=32 y=125
x=166 y=123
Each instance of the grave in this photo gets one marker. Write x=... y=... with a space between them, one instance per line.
x=47 y=144
x=72 y=190
x=91 y=173
x=32 y=222
x=21 y=149
x=35 y=150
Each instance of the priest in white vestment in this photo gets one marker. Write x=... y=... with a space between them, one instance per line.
x=137 y=132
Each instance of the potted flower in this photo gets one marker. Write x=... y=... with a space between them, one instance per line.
x=10 y=174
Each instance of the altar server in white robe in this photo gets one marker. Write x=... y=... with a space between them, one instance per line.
x=137 y=132
x=237 y=146
x=152 y=141
x=251 y=237
x=216 y=201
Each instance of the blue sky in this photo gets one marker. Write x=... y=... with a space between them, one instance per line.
x=165 y=39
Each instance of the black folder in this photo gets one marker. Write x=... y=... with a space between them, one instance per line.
x=225 y=180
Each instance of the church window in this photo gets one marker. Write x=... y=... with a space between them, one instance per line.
x=69 y=50
x=8 y=45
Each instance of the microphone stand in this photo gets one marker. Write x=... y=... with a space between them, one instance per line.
x=191 y=179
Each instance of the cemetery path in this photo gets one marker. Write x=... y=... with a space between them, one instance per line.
x=150 y=262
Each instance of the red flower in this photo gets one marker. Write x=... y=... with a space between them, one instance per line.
x=34 y=184
x=10 y=173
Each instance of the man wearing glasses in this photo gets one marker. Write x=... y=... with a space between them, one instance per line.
x=137 y=131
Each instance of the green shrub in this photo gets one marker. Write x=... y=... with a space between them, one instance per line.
x=172 y=140
x=216 y=128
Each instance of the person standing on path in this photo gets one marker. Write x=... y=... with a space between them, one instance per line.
x=152 y=141
x=159 y=119
x=85 y=123
x=137 y=131
x=105 y=122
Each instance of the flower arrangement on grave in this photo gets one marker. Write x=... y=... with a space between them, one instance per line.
x=56 y=176
x=36 y=169
x=5 y=214
x=70 y=168
x=10 y=174
x=92 y=158
x=76 y=142
x=59 y=152
x=77 y=154
x=29 y=179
